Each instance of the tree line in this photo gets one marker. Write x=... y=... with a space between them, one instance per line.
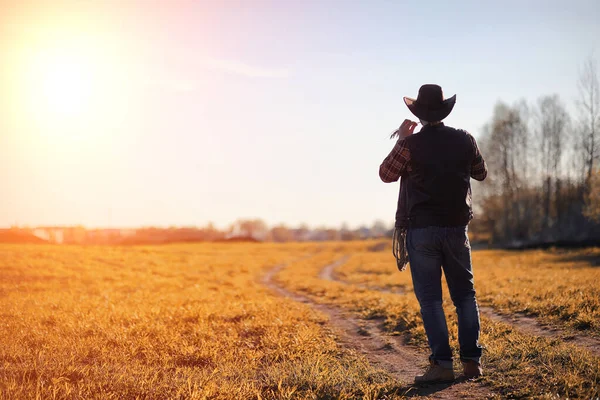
x=242 y=230
x=543 y=184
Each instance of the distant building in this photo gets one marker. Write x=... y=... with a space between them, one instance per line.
x=50 y=234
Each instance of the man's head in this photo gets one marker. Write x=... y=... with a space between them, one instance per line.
x=430 y=105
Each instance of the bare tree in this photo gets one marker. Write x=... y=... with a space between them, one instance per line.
x=553 y=120
x=253 y=228
x=506 y=147
x=589 y=114
x=544 y=174
x=592 y=206
x=379 y=228
x=281 y=233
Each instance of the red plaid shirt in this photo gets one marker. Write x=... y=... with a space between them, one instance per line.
x=397 y=163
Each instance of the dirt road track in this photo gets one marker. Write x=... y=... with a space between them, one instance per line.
x=533 y=327
x=523 y=323
x=387 y=352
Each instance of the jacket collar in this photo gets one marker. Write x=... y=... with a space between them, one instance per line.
x=429 y=127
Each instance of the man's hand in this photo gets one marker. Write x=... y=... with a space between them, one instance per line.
x=406 y=129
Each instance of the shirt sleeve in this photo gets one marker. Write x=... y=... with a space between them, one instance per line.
x=478 y=166
x=396 y=163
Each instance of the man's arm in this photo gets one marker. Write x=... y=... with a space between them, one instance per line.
x=478 y=167
x=396 y=163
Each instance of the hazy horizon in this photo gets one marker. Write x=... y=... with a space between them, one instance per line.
x=135 y=113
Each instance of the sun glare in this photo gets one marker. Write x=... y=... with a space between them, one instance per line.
x=66 y=79
x=65 y=84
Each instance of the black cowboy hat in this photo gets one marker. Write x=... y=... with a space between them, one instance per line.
x=430 y=104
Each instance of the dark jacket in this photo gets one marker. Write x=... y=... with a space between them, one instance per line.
x=436 y=189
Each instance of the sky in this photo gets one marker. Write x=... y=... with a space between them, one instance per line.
x=139 y=113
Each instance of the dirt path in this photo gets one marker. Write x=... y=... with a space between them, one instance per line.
x=534 y=327
x=522 y=322
x=387 y=352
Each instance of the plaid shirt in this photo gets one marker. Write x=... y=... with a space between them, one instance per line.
x=397 y=163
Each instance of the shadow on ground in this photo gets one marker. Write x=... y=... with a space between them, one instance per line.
x=430 y=389
x=592 y=258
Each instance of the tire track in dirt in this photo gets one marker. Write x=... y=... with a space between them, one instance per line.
x=521 y=322
x=387 y=352
x=534 y=327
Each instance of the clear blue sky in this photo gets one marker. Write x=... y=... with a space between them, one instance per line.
x=279 y=110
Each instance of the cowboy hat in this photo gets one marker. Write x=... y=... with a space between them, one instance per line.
x=430 y=104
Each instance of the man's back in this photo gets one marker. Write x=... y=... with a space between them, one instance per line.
x=438 y=179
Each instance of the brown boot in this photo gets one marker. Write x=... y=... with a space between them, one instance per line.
x=435 y=374
x=472 y=369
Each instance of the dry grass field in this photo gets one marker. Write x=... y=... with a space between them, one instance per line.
x=518 y=364
x=164 y=322
x=557 y=286
x=199 y=321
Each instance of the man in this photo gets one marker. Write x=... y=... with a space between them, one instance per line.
x=436 y=165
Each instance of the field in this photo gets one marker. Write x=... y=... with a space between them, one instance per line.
x=261 y=321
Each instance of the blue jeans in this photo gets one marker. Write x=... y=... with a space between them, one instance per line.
x=430 y=250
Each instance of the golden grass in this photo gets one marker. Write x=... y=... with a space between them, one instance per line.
x=179 y=321
x=194 y=321
x=557 y=286
x=517 y=364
